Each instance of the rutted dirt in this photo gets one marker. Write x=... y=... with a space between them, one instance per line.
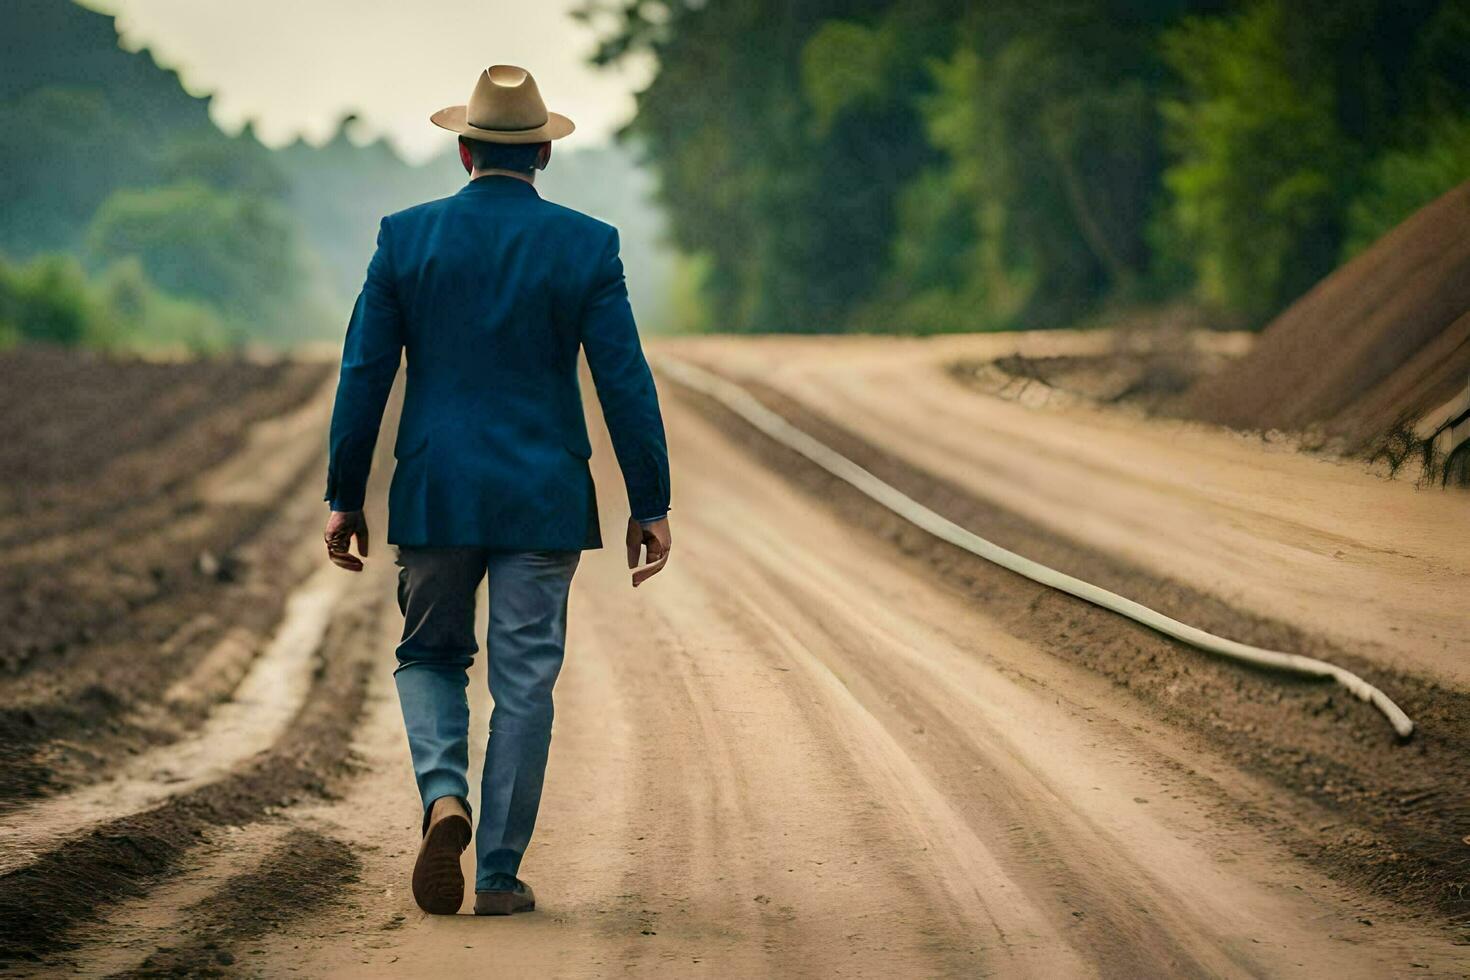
x=114 y=859
x=303 y=873
x=813 y=747
x=801 y=752
x=268 y=699
x=1374 y=566
x=122 y=571
x=125 y=727
x=1148 y=368
x=1368 y=809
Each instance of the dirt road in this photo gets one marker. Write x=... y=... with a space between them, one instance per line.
x=812 y=748
x=1368 y=563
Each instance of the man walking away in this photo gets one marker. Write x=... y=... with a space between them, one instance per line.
x=491 y=293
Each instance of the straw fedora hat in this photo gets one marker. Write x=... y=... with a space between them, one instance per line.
x=505 y=107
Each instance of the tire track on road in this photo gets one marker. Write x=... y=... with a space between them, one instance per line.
x=255 y=716
x=282 y=737
x=1345 y=794
x=800 y=753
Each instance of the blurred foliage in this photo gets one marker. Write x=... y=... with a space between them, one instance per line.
x=47 y=300
x=238 y=251
x=824 y=164
x=79 y=117
x=214 y=238
x=121 y=190
x=685 y=298
x=51 y=299
x=1401 y=181
x=1254 y=190
x=936 y=165
x=610 y=183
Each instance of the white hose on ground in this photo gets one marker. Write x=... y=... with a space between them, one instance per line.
x=745 y=405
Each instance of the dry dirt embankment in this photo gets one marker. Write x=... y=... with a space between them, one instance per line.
x=1385 y=338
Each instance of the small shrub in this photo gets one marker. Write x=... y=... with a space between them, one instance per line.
x=51 y=300
x=1399 y=445
x=46 y=300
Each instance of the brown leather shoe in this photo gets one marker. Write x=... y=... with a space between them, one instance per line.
x=515 y=897
x=438 y=882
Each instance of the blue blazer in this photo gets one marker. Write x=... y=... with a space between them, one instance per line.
x=490 y=294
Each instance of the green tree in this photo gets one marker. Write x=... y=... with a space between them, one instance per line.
x=923 y=165
x=47 y=300
x=51 y=299
x=1050 y=139
x=1293 y=115
x=132 y=313
x=1257 y=148
x=792 y=204
x=237 y=252
x=1402 y=181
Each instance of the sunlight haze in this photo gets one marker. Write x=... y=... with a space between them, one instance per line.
x=299 y=67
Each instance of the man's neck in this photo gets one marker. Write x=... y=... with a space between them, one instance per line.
x=529 y=178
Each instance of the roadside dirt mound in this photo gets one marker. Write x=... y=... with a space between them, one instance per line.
x=1148 y=367
x=1382 y=340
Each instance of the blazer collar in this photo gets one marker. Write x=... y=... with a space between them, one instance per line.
x=501 y=185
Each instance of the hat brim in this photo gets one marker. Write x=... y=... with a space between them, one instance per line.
x=452 y=118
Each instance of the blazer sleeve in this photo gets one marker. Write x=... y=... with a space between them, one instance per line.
x=370 y=359
x=625 y=387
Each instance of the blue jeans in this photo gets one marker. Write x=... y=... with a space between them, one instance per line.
x=528 y=622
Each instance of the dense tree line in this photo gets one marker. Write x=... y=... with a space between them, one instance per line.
x=128 y=219
x=931 y=164
x=126 y=216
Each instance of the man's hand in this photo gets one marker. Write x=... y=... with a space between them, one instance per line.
x=342 y=527
x=657 y=539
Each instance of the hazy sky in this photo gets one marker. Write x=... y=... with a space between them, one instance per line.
x=295 y=66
